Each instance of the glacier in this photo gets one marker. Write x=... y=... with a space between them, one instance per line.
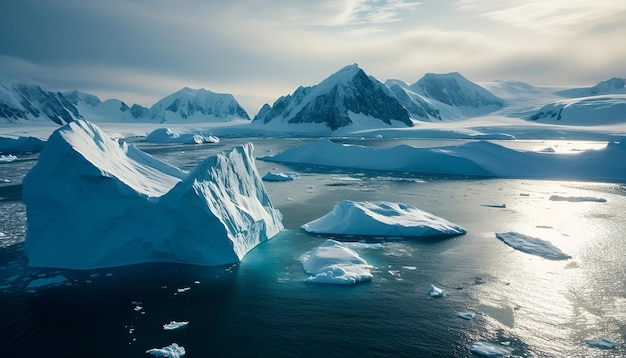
x=381 y=219
x=93 y=202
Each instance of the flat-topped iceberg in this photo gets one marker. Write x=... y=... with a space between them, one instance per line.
x=382 y=218
x=532 y=245
x=285 y=176
x=93 y=202
x=479 y=159
x=168 y=135
x=333 y=262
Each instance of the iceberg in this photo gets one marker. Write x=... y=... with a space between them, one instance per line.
x=434 y=291
x=21 y=145
x=171 y=351
x=381 y=219
x=532 y=245
x=175 y=325
x=491 y=350
x=577 y=199
x=477 y=159
x=168 y=135
x=7 y=158
x=602 y=343
x=286 y=176
x=93 y=202
x=333 y=262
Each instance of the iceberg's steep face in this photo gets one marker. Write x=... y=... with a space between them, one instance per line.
x=335 y=100
x=93 y=202
x=200 y=104
x=19 y=101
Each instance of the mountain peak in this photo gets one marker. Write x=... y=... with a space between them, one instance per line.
x=455 y=90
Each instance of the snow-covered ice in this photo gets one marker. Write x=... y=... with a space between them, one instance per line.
x=284 y=176
x=333 y=262
x=479 y=158
x=171 y=351
x=435 y=291
x=46 y=281
x=602 y=343
x=93 y=202
x=175 y=325
x=7 y=158
x=468 y=315
x=169 y=135
x=532 y=245
x=384 y=219
x=577 y=199
x=491 y=350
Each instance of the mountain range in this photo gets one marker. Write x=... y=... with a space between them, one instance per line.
x=348 y=97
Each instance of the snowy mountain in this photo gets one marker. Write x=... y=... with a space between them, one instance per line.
x=614 y=85
x=347 y=97
x=197 y=105
x=93 y=109
x=20 y=101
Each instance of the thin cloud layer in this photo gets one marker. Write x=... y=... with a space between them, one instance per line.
x=144 y=50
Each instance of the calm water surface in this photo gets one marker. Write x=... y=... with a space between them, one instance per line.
x=263 y=307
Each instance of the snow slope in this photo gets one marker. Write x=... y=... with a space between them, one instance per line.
x=614 y=85
x=335 y=101
x=583 y=111
x=93 y=202
x=20 y=101
x=481 y=158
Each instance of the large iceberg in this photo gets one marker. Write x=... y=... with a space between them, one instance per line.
x=382 y=218
x=93 y=202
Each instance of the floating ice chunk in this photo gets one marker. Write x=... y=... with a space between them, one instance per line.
x=333 y=262
x=577 y=199
x=168 y=135
x=184 y=289
x=602 y=343
x=466 y=315
x=285 y=176
x=138 y=308
x=532 y=245
x=494 y=205
x=171 y=351
x=436 y=291
x=410 y=268
x=174 y=325
x=46 y=281
x=7 y=158
x=490 y=350
x=382 y=218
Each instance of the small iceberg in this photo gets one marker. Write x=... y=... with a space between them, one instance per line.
x=577 y=199
x=333 y=262
x=171 y=351
x=491 y=205
x=286 y=176
x=46 y=281
x=602 y=343
x=381 y=219
x=175 y=325
x=532 y=245
x=466 y=315
x=168 y=135
x=436 y=291
x=7 y=158
x=491 y=350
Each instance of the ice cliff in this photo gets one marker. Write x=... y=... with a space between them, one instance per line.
x=93 y=202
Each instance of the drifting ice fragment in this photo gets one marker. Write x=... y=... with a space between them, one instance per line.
x=602 y=343
x=171 y=351
x=577 y=199
x=491 y=350
x=333 y=262
x=466 y=315
x=436 y=291
x=286 y=176
x=175 y=325
x=532 y=245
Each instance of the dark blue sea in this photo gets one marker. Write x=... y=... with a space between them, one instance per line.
x=263 y=307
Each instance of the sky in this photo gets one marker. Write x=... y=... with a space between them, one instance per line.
x=140 y=51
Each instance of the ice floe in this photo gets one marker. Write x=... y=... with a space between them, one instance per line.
x=435 y=291
x=602 y=343
x=381 y=219
x=466 y=315
x=46 y=281
x=286 y=176
x=577 y=199
x=333 y=262
x=491 y=350
x=171 y=351
x=175 y=325
x=532 y=245
x=7 y=158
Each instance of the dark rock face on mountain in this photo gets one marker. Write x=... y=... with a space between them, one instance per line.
x=26 y=102
x=455 y=90
x=331 y=102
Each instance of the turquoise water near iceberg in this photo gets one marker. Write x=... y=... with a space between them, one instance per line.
x=263 y=308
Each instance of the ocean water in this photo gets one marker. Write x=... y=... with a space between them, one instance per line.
x=264 y=308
